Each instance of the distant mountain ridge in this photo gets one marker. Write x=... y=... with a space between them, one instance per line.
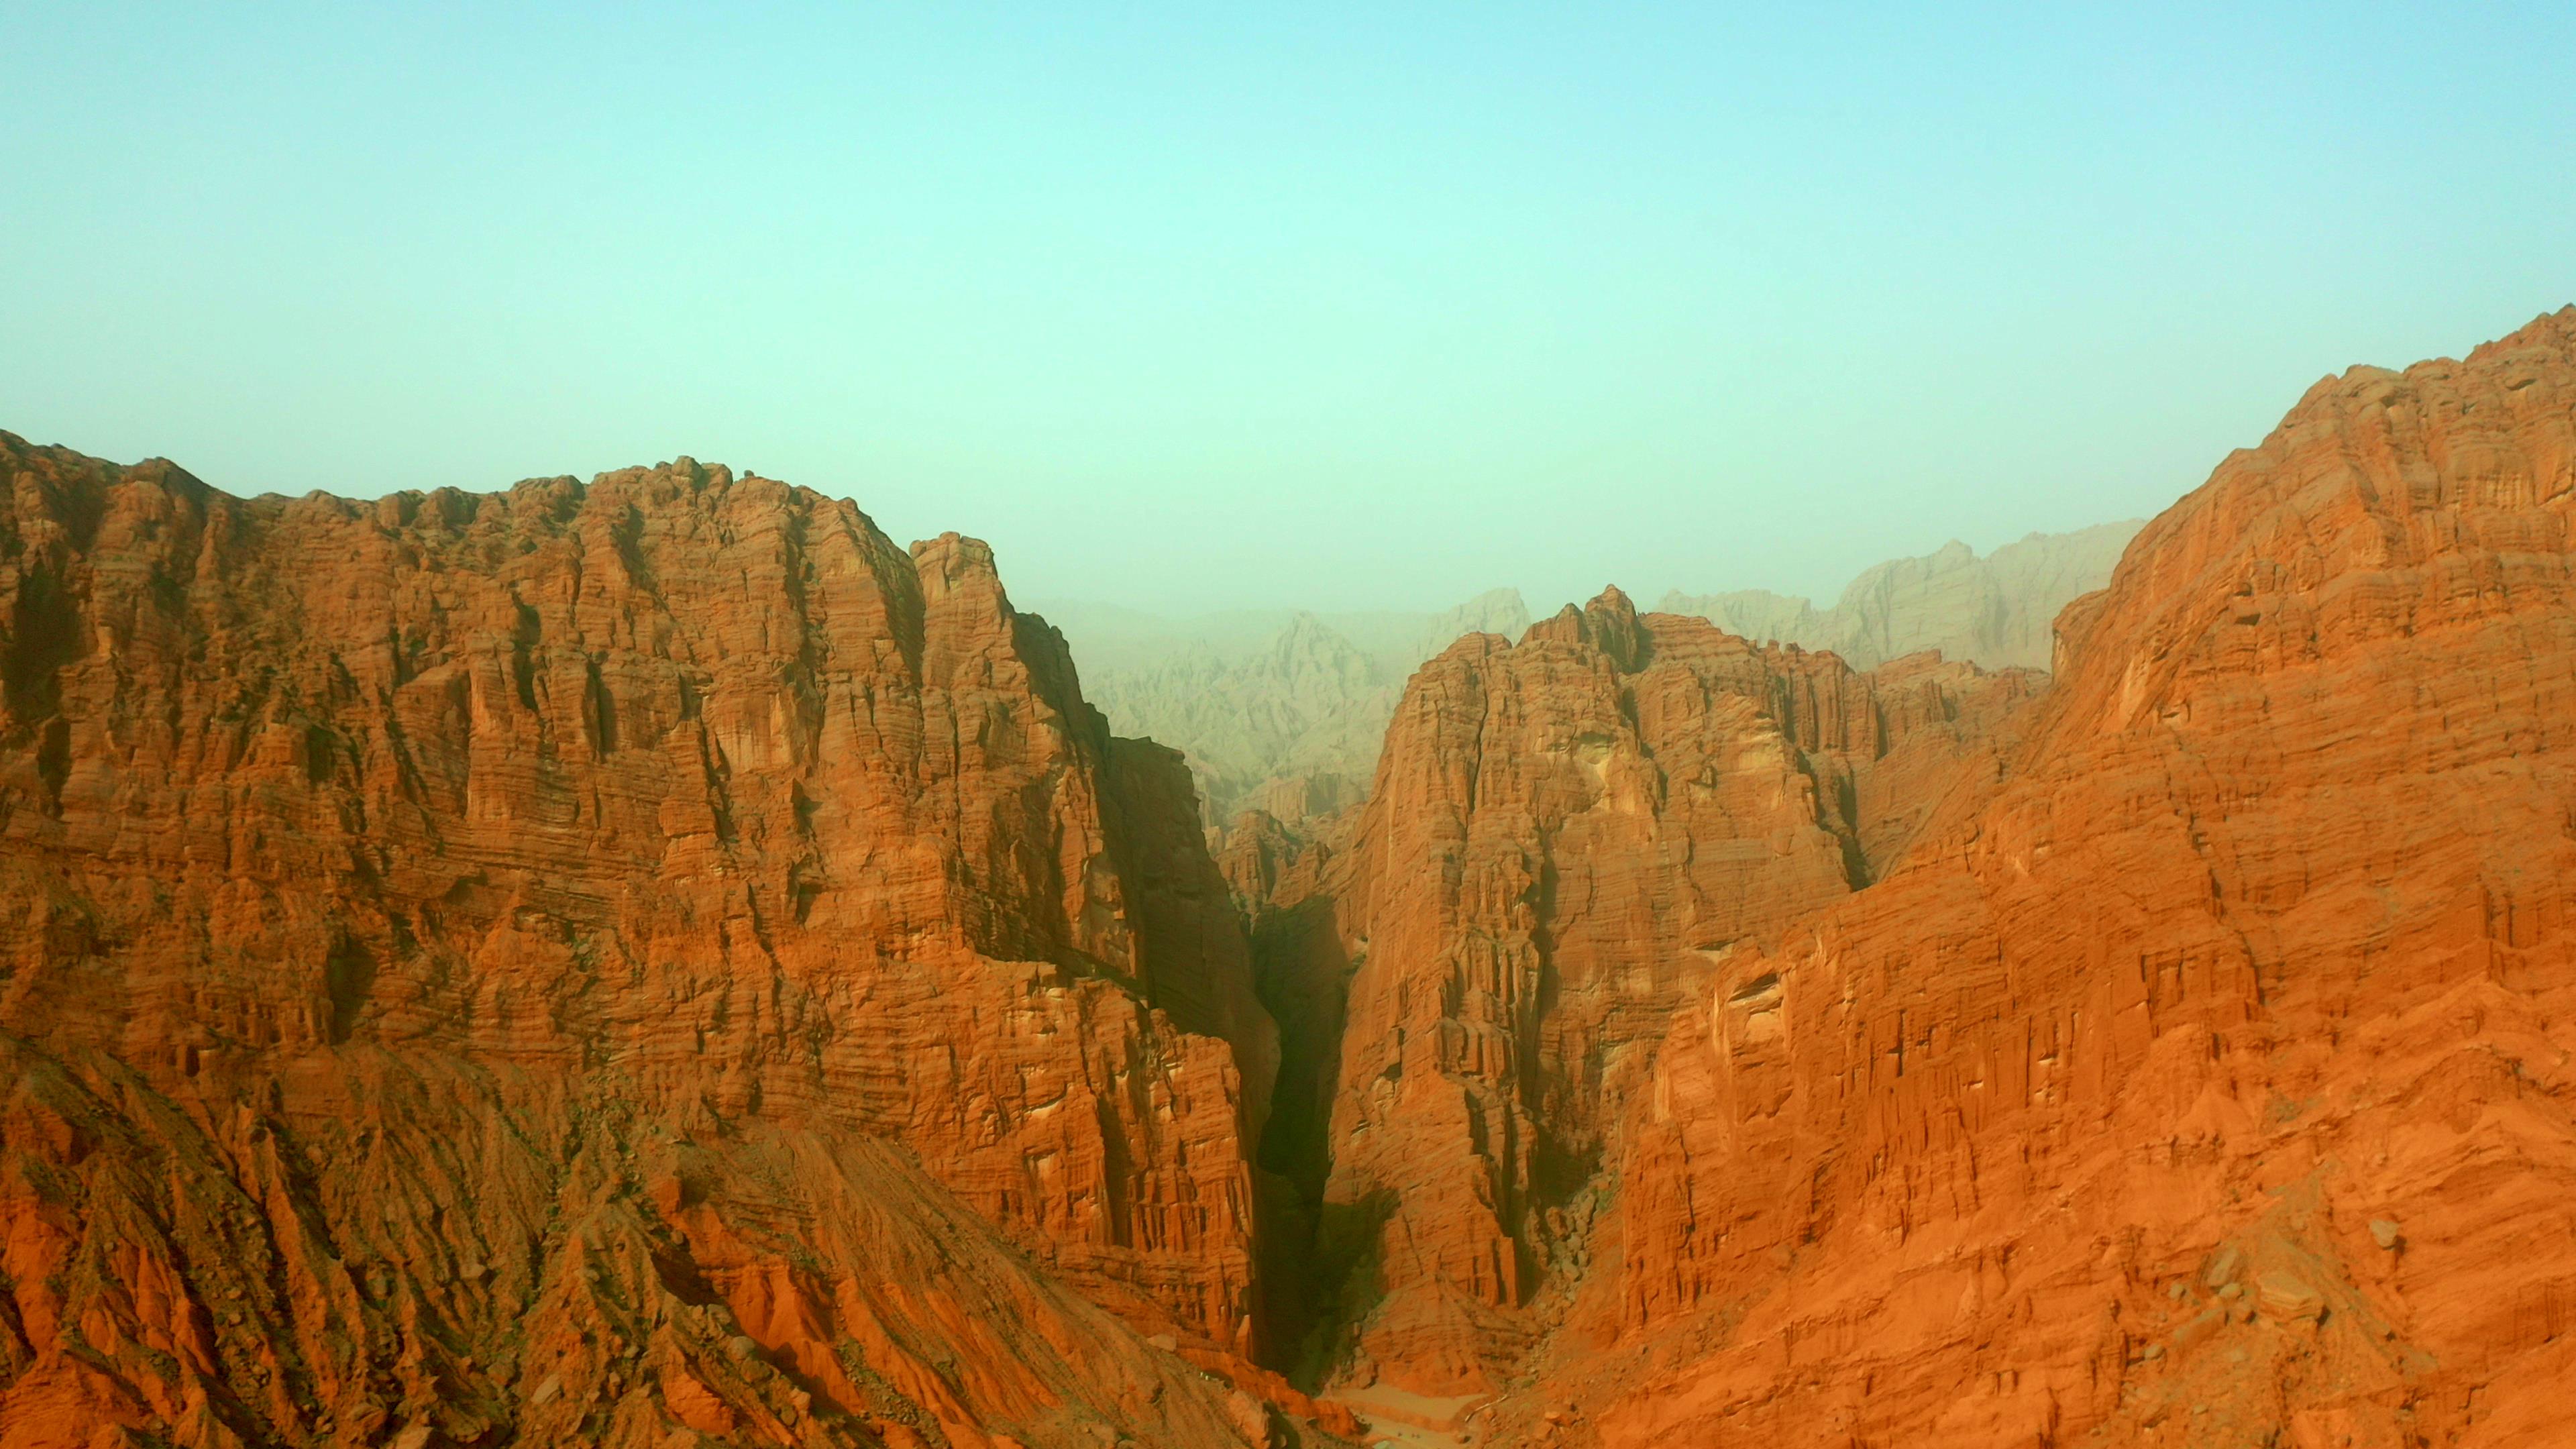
x=1285 y=710
x=1996 y=611
x=1112 y=637
x=1292 y=722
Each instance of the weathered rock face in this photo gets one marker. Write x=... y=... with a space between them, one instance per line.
x=2208 y=1080
x=589 y=962
x=1563 y=833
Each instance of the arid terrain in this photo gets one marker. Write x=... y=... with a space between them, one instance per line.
x=651 y=962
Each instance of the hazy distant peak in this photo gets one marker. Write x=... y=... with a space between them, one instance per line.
x=1308 y=643
x=1495 y=611
x=1996 y=610
x=1491 y=612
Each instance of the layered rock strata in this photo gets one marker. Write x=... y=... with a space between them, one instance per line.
x=1563 y=834
x=2208 y=1079
x=595 y=963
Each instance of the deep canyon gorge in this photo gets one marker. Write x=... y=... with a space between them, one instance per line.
x=653 y=962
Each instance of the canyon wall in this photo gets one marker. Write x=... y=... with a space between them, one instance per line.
x=594 y=963
x=1724 y=1046
x=1562 y=833
x=2207 y=1078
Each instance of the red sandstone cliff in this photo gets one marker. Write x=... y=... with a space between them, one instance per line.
x=2180 y=1055
x=601 y=963
x=1563 y=832
x=2209 y=1080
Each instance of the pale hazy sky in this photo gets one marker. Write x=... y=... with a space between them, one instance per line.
x=1313 y=304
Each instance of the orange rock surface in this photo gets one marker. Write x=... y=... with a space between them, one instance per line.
x=2208 y=1079
x=593 y=964
x=1561 y=833
x=2179 y=1054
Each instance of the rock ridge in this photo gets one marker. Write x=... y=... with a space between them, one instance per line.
x=1473 y=967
